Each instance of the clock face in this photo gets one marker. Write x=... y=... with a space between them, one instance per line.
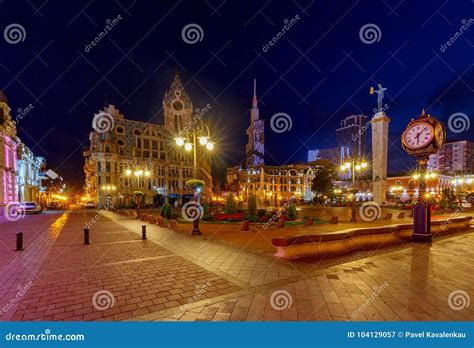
x=418 y=135
x=439 y=134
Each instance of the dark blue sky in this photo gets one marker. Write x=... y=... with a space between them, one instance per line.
x=318 y=72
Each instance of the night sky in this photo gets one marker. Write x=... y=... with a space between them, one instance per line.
x=318 y=72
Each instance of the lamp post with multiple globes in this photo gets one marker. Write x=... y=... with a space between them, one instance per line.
x=108 y=189
x=138 y=172
x=189 y=141
x=354 y=166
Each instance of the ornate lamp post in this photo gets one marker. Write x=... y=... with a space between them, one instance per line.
x=354 y=166
x=201 y=134
x=138 y=172
x=108 y=189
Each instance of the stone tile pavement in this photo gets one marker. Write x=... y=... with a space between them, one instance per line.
x=172 y=276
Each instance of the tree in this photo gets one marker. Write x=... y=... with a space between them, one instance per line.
x=325 y=174
x=292 y=212
x=230 y=206
x=252 y=205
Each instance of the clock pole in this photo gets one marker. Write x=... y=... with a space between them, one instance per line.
x=422 y=137
x=422 y=209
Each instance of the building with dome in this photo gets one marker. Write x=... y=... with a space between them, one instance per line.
x=126 y=156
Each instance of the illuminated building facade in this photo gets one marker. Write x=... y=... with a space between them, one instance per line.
x=132 y=156
x=271 y=184
x=8 y=154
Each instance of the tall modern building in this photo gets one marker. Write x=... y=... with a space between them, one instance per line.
x=271 y=185
x=335 y=155
x=149 y=149
x=352 y=134
x=453 y=158
x=255 y=149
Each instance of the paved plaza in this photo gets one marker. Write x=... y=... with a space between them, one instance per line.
x=172 y=276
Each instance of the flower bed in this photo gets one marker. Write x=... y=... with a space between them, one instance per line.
x=226 y=217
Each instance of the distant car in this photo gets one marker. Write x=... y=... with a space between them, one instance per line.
x=89 y=205
x=53 y=206
x=30 y=207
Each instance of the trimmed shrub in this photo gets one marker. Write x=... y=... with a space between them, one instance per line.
x=165 y=211
x=261 y=212
x=251 y=218
x=292 y=213
x=205 y=210
x=230 y=205
x=252 y=205
x=208 y=217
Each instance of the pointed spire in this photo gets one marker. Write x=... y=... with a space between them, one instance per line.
x=254 y=100
x=176 y=90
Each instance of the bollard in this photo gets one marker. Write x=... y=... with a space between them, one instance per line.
x=86 y=236
x=19 y=241
x=143 y=232
x=353 y=214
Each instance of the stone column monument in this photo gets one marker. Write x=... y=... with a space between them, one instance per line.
x=380 y=123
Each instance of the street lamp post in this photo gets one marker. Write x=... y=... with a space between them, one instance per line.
x=201 y=134
x=354 y=166
x=138 y=172
x=108 y=189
